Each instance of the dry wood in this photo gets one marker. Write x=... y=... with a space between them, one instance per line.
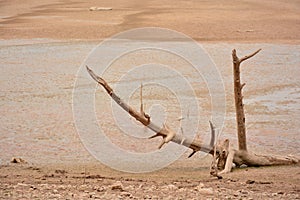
x=223 y=155
x=214 y=163
x=238 y=97
x=242 y=156
x=165 y=131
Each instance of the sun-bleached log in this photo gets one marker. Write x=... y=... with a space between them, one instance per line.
x=164 y=131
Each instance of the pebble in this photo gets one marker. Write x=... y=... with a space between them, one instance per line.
x=126 y=194
x=17 y=160
x=244 y=192
x=117 y=186
x=22 y=184
x=250 y=181
x=206 y=191
x=169 y=187
x=200 y=186
x=55 y=196
x=130 y=187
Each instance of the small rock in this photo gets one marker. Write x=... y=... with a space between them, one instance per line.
x=206 y=191
x=60 y=171
x=126 y=194
x=236 y=194
x=99 y=8
x=244 y=192
x=140 y=186
x=280 y=192
x=200 y=186
x=18 y=160
x=130 y=187
x=62 y=187
x=22 y=184
x=100 y=189
x=117 y=186
x=274 y=194
x=250 y=181
x=265 y=182
x=97 y=197
x=55 y=196
x=33 y=187
x=92 y=194
x=169 y=187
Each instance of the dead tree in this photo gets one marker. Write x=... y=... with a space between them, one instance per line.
x=223 y=155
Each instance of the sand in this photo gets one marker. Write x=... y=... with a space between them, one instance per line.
x=42 y=46
x=238 y=21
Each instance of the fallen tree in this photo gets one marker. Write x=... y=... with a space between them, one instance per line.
x=223 y=155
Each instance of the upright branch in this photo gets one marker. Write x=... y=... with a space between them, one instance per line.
x=242 y=156
x=238 y=97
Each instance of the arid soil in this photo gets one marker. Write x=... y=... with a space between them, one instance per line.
x=98 y=182
x=43 y=44
x=251 y=21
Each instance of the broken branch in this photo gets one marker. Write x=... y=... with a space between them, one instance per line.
x=249 y=56
x=165 y=131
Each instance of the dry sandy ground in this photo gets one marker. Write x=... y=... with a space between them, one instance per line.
x=98 y=182
x=210 y=21
x=255 y=20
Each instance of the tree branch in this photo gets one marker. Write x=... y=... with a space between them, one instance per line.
x=249 y=56
x=165 y=131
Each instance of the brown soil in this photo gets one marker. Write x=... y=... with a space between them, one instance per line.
x=23 y=181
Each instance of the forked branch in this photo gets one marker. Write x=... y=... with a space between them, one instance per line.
x=249 y=56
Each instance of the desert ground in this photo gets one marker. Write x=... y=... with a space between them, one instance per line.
x=42 y=47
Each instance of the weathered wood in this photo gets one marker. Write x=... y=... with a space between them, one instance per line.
x=242 y=156
x=238 y=99
x=254 y=160
x=223 y=155
x=164 y=131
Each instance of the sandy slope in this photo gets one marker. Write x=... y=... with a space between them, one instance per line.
x=265 y=21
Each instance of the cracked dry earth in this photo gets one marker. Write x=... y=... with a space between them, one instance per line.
x=93 y=181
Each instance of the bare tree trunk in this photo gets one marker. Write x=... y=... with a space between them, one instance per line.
x=238 y=97
x=242 y=156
